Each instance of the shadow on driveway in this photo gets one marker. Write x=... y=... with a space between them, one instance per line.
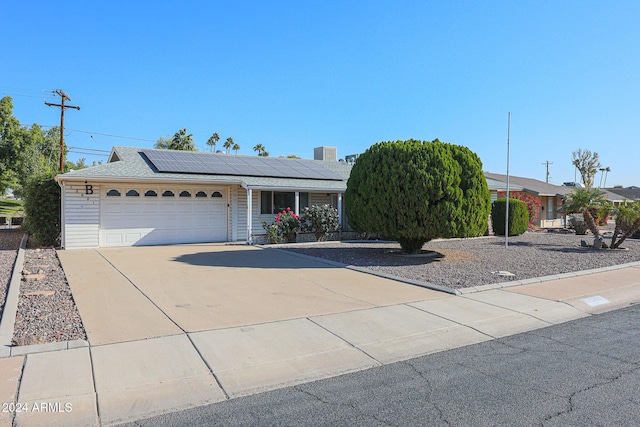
x=250 y=259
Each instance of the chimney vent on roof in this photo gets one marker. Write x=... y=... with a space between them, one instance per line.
x=325 y=153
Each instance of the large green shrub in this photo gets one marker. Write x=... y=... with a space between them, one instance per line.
x=42 y=209
x=414 y=191
x=518 y=216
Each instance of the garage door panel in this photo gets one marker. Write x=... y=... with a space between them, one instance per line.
x=149 y=221
x=150 y=208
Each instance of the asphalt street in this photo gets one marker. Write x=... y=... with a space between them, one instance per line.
x=581 y=373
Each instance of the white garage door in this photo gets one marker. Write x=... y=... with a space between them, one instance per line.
x=135 y=216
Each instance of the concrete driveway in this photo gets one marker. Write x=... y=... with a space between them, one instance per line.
x=126 y=294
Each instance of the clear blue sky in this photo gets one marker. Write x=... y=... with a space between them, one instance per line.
x=298 y=74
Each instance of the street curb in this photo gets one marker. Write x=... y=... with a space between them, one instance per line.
x=470 y=289
x=8 y=321
x=502 y=285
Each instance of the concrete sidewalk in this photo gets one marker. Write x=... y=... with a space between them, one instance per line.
x=181 y=326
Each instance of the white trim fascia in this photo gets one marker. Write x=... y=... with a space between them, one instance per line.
x=104 y=179
x=300 y=189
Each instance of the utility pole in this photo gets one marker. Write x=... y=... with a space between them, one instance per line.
x=63 y=97
x=506 y=219
x=548 y=163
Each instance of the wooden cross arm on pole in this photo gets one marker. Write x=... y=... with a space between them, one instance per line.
x=50 y=104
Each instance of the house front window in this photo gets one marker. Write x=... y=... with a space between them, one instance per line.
x=272 y=202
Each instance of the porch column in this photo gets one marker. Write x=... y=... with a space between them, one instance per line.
x=296 y=208
x=339 y=209
x=249 y=218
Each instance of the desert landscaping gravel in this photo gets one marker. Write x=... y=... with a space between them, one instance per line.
x=46 y=310
x=460 y=263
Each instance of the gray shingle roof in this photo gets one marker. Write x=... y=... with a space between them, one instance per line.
x=128 y=163
x=540 y=188
x=629 y=193
x=497 y=185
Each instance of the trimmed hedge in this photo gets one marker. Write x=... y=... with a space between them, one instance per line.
x=42 y=209
x=518 y=216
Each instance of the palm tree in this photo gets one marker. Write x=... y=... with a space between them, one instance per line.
x=182 y=141
x=606 y=172
x=235 y=147
x=601 y=175
x=586 y=201
x=212 y=141
x=262 y=152
x=228 y=144
x=627 y=222
x=162 y=143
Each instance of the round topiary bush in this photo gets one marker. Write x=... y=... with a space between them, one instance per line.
x=518 y=216
x=414 y=191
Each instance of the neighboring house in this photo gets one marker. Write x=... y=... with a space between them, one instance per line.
x=149 y=197
x=549 y=195
x=628 y=193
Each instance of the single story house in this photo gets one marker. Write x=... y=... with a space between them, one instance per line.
x=627 y=193
x=145 y=196
x=549 y=195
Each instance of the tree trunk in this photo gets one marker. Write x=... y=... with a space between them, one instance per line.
x=615 y=236
x=592 y=226
x=632 y=229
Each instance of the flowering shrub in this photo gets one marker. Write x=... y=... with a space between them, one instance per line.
x=273 y=233
x=533 y=204
x=288 y=224
x=320 y=220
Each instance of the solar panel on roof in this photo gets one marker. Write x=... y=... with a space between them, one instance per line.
x=220 y=164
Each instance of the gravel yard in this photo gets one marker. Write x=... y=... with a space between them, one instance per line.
x=46 y=310
x=459 y=263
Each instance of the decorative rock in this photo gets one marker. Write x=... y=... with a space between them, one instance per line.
x=45 y=293
x=597 y=242
x=42 y=266
x=503 y=273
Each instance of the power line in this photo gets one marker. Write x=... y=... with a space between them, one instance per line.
x=88 y=149
x=103 y=134
x=89 y=154
x=28 y=93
